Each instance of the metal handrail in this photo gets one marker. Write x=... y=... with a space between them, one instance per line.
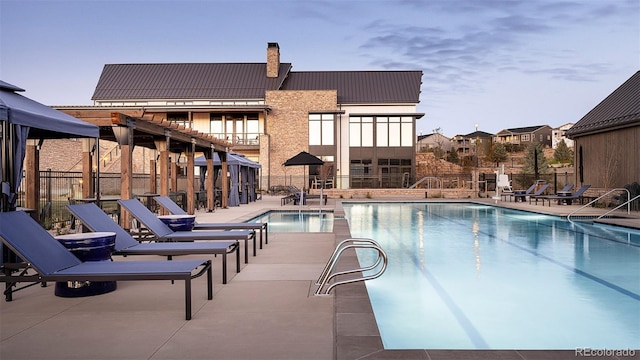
x=354 y=243
x=430 y=178
x=600 y=197
x=628 y=203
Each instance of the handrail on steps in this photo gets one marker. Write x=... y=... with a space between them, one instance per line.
x=353 y=243
x=628 y=203
x=429 y=178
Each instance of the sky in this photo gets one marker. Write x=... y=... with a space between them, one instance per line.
x=487 y=64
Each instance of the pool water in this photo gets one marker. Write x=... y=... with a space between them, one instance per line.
x=465 y=276
x=297 y=221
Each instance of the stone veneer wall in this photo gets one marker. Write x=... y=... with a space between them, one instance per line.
x=287 y=126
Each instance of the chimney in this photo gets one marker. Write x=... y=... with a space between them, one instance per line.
x=273 y=60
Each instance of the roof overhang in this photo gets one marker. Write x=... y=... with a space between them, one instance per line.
x=416 y=115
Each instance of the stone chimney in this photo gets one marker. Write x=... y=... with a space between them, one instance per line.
x=273 y=59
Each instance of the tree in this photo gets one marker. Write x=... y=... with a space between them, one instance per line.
x=531 y=152
x=497 y=154
x=453 y=157
x=562 y=153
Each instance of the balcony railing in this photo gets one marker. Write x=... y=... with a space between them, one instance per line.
x=244 y=139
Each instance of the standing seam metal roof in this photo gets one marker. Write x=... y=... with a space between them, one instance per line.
x=358 y=87
x=621 y=108
x=249 y=81
x=186 y=81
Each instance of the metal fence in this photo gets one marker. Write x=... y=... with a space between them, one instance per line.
x=57 y=188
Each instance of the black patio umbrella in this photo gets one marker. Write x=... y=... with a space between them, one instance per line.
x=304 y=159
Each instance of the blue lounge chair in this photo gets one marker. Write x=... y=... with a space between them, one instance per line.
x=53 y=262
x=174 y=209
x=162 y=232
x=539 y=194
x=519 y=195
x=566 y=199
x=95 y=219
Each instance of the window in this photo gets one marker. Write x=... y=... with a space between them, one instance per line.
x=361 y=131
x=236 y=128
x=321 y=129
x=396 y=131
x=392 y=172
x=524 y=137
x=179 y=118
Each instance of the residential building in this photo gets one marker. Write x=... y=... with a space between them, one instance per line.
x=525 y=135
x=433 y=141
x=558 y=134
x=361 y=123
x=607 y=139
x=475 y=143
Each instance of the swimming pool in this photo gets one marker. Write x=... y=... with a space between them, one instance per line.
x=297 y=221
x=466 y=276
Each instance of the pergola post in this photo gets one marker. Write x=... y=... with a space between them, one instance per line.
x=88 y=174
x=191 y=200
x=32 y=178
x=224 y=202
x=124 y=136
x=209 y=185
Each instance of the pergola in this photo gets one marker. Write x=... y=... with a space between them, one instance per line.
x=133 y=128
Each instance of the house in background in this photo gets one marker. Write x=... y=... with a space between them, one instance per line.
x=525 y=135
x=361 y=123
x=607 y=139
x=432 y=141
x=477 y=142
x=558 y=134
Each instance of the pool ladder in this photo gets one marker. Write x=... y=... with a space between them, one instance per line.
x=352 y=243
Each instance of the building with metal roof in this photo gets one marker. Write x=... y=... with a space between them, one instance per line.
x=361 y=123
x=607 y=139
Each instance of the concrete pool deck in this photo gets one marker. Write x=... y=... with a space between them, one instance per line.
x=267 y=311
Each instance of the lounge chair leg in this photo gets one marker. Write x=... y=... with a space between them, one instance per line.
x=187 y=296
x=224 y=268
x=210 y=282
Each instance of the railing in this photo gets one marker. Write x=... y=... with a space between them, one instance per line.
x=628 y=203
x=429 y=180
x=353 y=243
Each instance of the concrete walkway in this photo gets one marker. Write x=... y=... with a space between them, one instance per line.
x=267 y=311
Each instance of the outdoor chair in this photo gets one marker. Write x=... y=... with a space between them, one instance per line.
x=566 y=199
x=519 y=195
x=162 y=232
x=95 y=219
x=53 y=262
x=174 y=209
x=539 y=194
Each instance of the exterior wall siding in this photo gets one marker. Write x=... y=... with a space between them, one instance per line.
x=610 y=159
x=287 y=126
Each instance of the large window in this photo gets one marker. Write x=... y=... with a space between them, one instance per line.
x=236 y=128
x=390 y=131
x=321 y=129
x=179 y=118
x=361 y=131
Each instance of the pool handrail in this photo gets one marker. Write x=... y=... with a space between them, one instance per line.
x=628 y=203
x=351 y=243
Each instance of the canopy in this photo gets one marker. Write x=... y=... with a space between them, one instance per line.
x=303 y=158
x=22 y=118
x=43 y=121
